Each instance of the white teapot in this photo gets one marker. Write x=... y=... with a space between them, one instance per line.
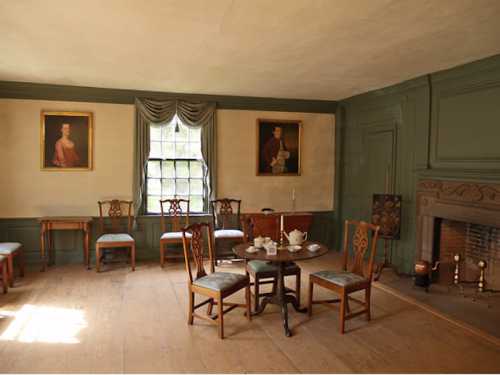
x=296 y=237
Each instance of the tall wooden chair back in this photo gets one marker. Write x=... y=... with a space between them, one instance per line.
x=115 y=216
x=194 y=248
x=359 y=233
x=226 y=213
x=265 y=226
x=178 y=212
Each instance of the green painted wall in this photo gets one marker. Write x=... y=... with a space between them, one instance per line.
x=445 y=125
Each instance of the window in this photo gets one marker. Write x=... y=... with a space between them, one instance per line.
x=175 y=166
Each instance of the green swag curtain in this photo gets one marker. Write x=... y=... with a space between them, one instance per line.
x=192 y=114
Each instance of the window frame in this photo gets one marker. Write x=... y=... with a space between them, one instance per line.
x=204 y=195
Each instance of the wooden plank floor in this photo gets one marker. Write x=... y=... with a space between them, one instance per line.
x=72 y=320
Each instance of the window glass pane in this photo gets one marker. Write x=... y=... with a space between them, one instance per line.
x=168 y=186
x=182 y=169
x=168 y=133
x=184 y=204
x=154 y=186
x=155 y=132
x=195 y=150
x=182 y=134
x=194 y=135
x=196 y=186
x=154 y=169
x=155 y=150
x=196 y=169
x=168 y=170
x=153 y=204
x=169 y=150
x=181 y=186
x=196 y=203
x=182 y=151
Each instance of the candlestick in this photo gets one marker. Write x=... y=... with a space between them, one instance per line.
x=293 y=194
x=482 y=282
x=281 y=231
x=456 y=273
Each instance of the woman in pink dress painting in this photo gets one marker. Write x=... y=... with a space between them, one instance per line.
x=65 y=155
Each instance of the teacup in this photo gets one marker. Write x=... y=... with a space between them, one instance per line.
x=259 y=241
x=267 y=239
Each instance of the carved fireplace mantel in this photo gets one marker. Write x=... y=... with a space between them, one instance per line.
x=477 y=203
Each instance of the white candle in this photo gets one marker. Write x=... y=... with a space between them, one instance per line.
x=282 y=223
x=293 y=194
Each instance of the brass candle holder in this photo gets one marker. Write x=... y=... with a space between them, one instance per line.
x=456 y=273
x=481 y=284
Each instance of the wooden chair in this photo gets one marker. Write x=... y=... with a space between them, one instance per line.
x=346 y=282
x=115 y=236
x=13 y=251
x=262 y=271
x=214 y=285
x=226 y=221
x=177 y=221
x=5 y=273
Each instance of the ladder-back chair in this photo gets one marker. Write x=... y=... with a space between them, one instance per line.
x=214 y=285
x=357 y=278
x=177 y=210
x=113 y=232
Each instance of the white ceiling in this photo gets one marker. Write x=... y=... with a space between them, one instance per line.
x=307 y=49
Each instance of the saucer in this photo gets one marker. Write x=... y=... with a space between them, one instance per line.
x=294 y=248
x=252 y=249
x=313 y=247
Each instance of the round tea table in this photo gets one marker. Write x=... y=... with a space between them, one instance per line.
x=282 y=297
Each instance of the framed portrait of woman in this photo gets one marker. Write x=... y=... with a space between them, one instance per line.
x=278 y=147
x=66 y=141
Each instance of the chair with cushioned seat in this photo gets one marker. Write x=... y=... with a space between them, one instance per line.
x=226 y=221
x=175 y=211
x=214 y=285
x=4 y=273
x=345 y=282
x=115 y=236
x=262 y=271
x=13 y=251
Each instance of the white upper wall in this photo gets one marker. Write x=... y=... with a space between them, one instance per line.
x=26 y=191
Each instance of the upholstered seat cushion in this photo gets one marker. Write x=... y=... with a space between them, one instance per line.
x=174 y=236
x=115 y=237
x=342 y=278
x=220 y=281
x=264 y=266
x=9 y=247
x=228 y=233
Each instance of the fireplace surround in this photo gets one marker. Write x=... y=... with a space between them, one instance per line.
x=459 y=217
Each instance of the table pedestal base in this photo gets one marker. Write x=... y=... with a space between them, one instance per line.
x=282 y=299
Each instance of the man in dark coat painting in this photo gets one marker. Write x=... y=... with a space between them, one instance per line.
x=275 y=153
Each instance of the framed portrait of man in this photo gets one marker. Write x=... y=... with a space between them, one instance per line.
x=278 y=147
x=66 y=141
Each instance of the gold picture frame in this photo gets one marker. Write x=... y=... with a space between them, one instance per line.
x=66 y=141
x=279 y=151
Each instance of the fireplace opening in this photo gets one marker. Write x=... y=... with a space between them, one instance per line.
x=473 y=242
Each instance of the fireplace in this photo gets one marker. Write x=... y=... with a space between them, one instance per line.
x=459 y=218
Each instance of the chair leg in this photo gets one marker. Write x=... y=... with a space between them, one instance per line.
x=97 y=258
x=297 y=288
x=5 y=277
x=162 y=255
x=191 y=308
x=132 y=257
x=310 y=298
x=248 y=303
x=210 y=307
x=256 y=293
x=343 y=298
x=10 y=269
x=220 y=309
x=20 y=262
x=367 y=303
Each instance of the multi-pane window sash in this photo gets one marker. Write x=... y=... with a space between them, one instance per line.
x=175 y=167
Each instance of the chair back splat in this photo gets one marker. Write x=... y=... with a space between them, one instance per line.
x=360 y=244
x=116 y=211
x=179 y=216
x=197 y=246
x=226 y=213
